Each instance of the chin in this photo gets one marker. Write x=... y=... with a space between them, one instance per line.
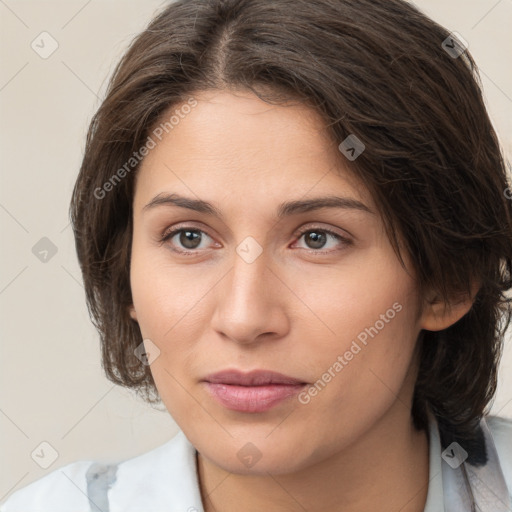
x=259 y=456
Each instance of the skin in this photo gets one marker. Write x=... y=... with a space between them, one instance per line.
x=294 y=310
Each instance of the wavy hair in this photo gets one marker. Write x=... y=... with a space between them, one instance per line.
x=377 y=69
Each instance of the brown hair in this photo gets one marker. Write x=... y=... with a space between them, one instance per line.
x=376 y=69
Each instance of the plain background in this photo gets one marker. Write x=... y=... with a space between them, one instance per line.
x=52 y=386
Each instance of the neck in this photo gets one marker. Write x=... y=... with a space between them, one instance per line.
x=386 y=469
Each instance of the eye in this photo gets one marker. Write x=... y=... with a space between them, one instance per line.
x=317 y=238
x=186 y=239
x=189 y=239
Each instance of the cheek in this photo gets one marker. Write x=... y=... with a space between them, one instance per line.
x=172 y=304
x=168 y=307
x=164 y=294
x=342 y=301
x=368 y=322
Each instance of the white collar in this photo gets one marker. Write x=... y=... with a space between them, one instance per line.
x=173 y=479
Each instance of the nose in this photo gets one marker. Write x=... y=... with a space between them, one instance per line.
x=250 y=302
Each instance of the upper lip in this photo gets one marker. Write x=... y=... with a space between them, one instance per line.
x=252 y=378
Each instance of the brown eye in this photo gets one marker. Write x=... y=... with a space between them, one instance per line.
x=185 y=239
x=189 y=239
x=317 y=239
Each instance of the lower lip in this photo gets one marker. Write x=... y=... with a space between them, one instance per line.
x=252 y=398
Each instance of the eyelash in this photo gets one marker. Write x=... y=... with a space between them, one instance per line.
x=168 y=235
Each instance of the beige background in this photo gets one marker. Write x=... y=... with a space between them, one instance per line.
x=52 y=386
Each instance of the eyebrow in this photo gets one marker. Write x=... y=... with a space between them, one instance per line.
x=284 y=210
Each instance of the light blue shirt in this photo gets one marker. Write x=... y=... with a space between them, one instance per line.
x=165 y=479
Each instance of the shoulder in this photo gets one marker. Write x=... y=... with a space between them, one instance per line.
x=56 y=491
x=501 y=431
x=81 y=483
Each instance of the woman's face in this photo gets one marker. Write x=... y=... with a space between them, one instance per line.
x=264 y=280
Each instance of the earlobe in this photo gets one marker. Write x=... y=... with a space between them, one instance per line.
x=133 y=313
x=438 y=315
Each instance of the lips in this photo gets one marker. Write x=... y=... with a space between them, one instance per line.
x=254 y=378
x=253 y=392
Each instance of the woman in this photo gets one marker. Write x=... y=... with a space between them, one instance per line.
x=294 y=231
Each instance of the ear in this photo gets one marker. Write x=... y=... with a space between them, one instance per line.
x=133 y=313
x=438 y=314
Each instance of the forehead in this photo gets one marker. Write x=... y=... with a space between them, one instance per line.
x=234 y=141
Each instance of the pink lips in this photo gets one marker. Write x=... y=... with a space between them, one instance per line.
x=256 y=391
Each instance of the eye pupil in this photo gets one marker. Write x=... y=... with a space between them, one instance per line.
x=318 y=239
x=188 y=237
